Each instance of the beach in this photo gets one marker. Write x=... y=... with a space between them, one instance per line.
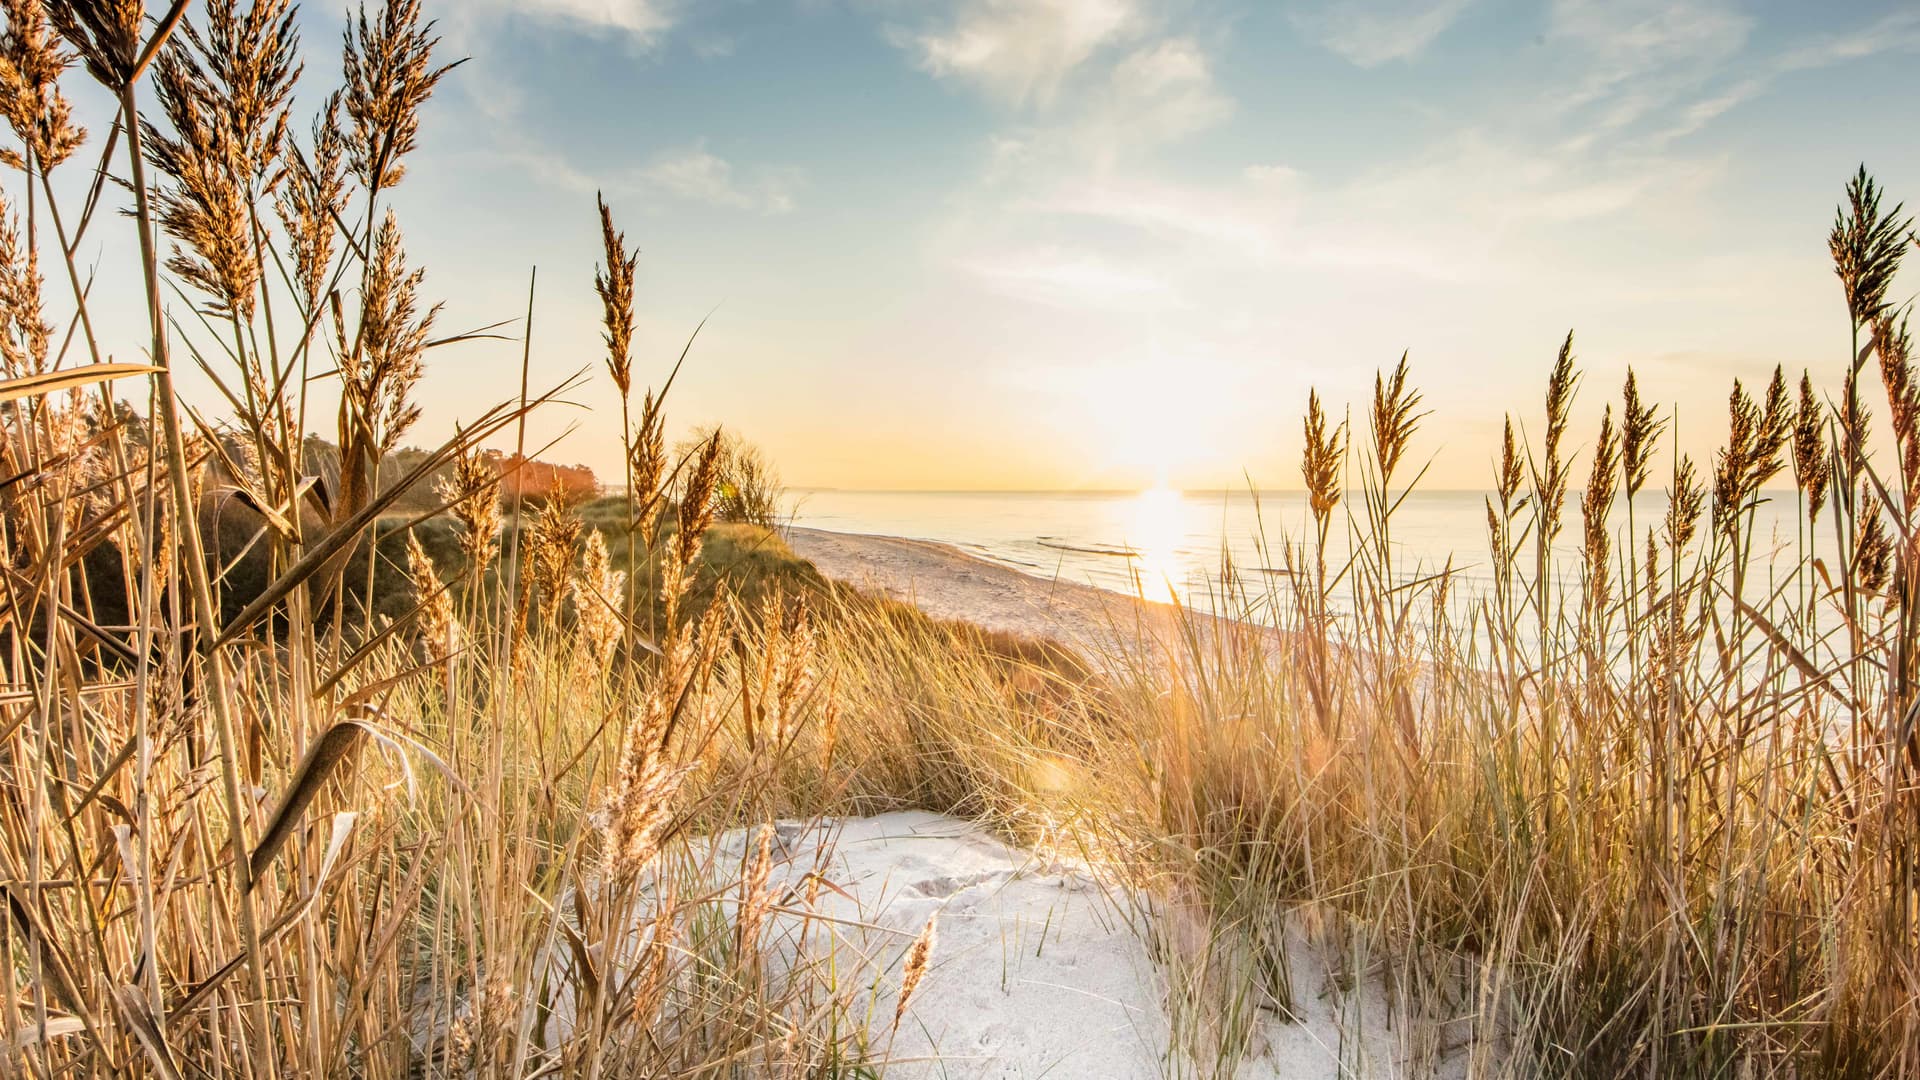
x=948 y=583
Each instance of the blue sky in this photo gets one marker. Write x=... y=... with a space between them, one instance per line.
x=1108 y=243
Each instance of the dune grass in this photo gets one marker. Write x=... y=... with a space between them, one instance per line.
x=421 y=794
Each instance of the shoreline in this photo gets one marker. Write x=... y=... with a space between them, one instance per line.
x=948 y=583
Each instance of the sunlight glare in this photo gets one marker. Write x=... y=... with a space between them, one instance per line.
x=1156 y=526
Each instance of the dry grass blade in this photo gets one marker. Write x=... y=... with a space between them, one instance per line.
x=135 y=1013
x=332 y=748
x=50 y=382
x=56 y=971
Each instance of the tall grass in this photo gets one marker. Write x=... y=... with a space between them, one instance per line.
x=1650 y=813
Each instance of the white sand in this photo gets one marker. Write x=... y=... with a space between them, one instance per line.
x=1036 y=972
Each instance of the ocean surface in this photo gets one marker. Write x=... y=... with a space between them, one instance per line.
x=1165 y=544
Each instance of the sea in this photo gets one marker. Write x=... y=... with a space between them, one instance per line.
x=1167 y=544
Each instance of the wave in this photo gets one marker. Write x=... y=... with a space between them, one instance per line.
x=1118 y=552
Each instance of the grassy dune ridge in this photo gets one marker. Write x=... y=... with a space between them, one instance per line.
x=292 y=815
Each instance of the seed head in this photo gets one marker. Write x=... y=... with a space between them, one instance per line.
x=614 y=283
x=1507 y=479
x=472 y=495
x=310 y=202
x=30 y=68
x=1685 y=501
x=1866 y=246
x=1551 y=486
x=389 y=75
x=1595 y=504
x=1394 y=418
x=1812 y=467
x=106 y=34
x=24 y=332
x=1320 y=460
x=1640 y=427
x=914 y=970
x=696 y=502
x=598 y=591
x=438 y=626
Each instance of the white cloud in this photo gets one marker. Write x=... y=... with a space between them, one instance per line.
x=1021 y=51
x=482 y=28
x=646 y=21
x=1898 y=32
x=1066 y=278
x=1369 y=33
x=1629 y=59
x=695 y=174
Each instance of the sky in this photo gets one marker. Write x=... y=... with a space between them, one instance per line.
x=1064 y=244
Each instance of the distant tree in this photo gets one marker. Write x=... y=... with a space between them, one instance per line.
x=532 y=479
x=749 y=486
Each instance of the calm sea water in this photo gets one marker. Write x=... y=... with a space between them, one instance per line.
x=1157 y=542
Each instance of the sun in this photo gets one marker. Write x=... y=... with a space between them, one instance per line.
x=1156 y=530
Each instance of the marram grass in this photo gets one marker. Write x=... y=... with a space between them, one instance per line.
x=1653 y=813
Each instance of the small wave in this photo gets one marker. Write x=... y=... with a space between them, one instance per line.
x=1099 y=549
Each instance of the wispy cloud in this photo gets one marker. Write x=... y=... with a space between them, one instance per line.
x=1370 y=33
x=1020 y=51
x=1067 y=278
x=480 y=28
x=696 y=174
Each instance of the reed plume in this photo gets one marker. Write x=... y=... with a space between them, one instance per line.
x=24 y=331
x=1550 y=485
x=106 y=34
x=378 y=376
x=553 y=547
x=1812 y=465
x=203 y=204
x=914 y=969
x=1686 y=501
x=1872 y=546
x=1510 y=473
x=786 y=679
x=310 y=202
x=598 y=591
x=438 y=626
x=1595 y=504
x=650 y=989
x=649 y=777
x=471 y=492
x=696 y=502
x=1320 y=460
x=614 y=283
x=30 y=68
x=756 y=899
x=1394 y=419
x=647 y=465
x=1866 y=246
x=1756 y=434
x=389 y=76
x=246 y=62
x=1894 y=346
x=1640 y=427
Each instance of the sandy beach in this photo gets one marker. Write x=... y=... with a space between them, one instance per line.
x=948 y=583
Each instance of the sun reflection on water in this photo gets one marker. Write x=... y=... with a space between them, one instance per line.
x=1156 y=525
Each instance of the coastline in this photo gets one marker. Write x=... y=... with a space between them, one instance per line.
x=948 y=583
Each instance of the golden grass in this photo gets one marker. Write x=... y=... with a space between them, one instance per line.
x=1657 y=817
